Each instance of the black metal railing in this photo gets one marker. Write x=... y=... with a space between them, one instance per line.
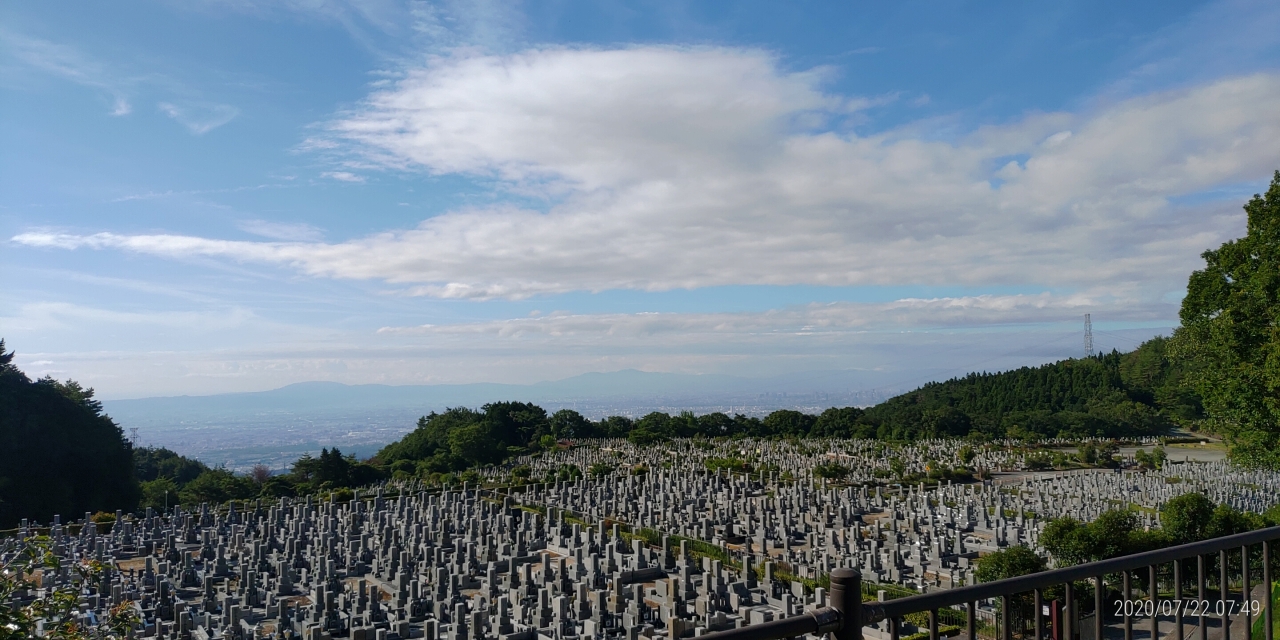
x=1109 y=582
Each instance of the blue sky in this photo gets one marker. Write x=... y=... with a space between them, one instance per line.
x=201 y=197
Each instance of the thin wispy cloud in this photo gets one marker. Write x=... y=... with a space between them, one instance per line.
x=199 y=119
x=121 y=107
x=69 y=63
x=293 y=231
x=907 y=313
x=169 y=193
x=343 y=176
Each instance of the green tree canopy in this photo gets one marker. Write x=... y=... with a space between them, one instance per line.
x=1185 y=518
x=1009 y=563
x=59 y=454
x=1230 y=334
x=1115 y=533
x=567 y=423
x=151 y=463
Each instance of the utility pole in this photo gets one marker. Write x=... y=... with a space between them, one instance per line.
x=1088 y=337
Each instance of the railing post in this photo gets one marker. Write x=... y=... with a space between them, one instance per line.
x=1266 y=579
x=846 y=597
x=1100 y=608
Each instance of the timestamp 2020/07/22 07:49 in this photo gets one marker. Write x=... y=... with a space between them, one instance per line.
x=1191 y=607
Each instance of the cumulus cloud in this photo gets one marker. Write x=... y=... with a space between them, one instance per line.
x=670 y=167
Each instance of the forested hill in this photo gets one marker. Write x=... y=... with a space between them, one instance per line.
x=1110 y=395
x=1114 y=394
x=58 y=453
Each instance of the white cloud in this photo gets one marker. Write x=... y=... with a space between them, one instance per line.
x=199 y=118
x=121 y=107
x=211 y=349
x=343 y=176
x=833 y=318
x=691 y=167
x=47 y=316
x=68 y=63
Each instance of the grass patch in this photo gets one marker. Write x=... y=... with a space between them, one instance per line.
x=1259 y=625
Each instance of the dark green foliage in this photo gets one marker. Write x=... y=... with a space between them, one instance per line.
x=461 y=437
x=158 y=494
x=616 y=426
x=728 y=464
x=785 y=422
x=600 y=469
x=1187 y=518
x=1110 y=395
x=831 y=470
x=1114 y=533
x=1192 y=517
x=216 y=486
x=150 y=463
x=1153 y=460
x=59 y=454
x=716 y=425
x=654 y=427
x=564 y=473
x=841 y=423
x=567 y=423
x=1009 y=563
x=1229 y=339
x=331 y=470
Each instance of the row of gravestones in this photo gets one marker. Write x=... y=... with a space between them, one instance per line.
x=456 y=565
x=556 y=560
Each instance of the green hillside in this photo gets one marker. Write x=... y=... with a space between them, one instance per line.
x=58 y=453
x=1110 y=395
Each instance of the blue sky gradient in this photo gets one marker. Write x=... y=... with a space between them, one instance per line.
x=228 y=196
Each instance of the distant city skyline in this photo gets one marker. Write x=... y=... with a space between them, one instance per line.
x=212 y=197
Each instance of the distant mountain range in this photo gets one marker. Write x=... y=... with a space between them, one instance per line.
x=619 y=388
x=239 y=430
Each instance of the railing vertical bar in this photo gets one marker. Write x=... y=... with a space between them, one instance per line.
x=1266 y=579
x=1245 y=592
x=933 y=624
x=970 y=620
x=1153 y=590
x=1177 y=599
x=1200 y=606
x=1099 y=589
x=1006 y=630
x=1068 y=613
x=893 y=629
x=1224 y=596
x=1127 y=596
x=1039 y=614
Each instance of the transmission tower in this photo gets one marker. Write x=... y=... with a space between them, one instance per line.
x=1088 y=337
x=133 y=437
